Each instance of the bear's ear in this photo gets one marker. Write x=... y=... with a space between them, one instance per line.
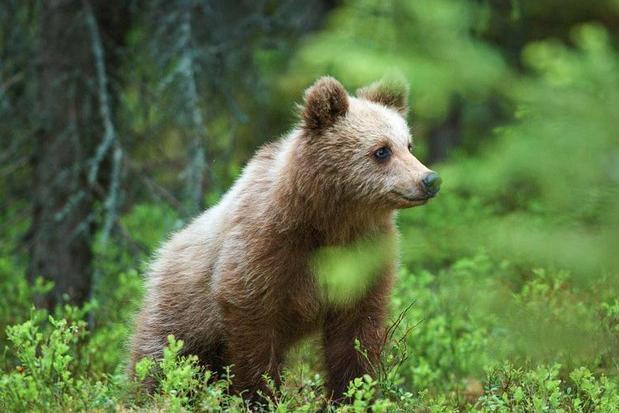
x=325 y=101
x=391 y=92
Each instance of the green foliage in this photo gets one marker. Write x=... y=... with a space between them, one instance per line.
x=552 y=194
x=150 y=223
x=179 y=375
x=344 y=273
x=435 y=358
x=46 y=372
x=365 y=39
x=111 y=314
x=511 y=389
x=18 y=294
x=476 y=312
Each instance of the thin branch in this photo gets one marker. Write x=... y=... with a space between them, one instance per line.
x=109 y=140
x=197 y=166
x=112 y=201
x=109 y=136
x=158 y=190
x=14 y=166
x=16 y=78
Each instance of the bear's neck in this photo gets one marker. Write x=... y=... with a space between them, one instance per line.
x=330 y=223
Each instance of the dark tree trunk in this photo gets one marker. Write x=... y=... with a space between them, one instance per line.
x=71 y=130
x=446 y=136
x=62 y=225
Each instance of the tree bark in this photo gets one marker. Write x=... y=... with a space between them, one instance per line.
x=62 y=224
x=65 y=151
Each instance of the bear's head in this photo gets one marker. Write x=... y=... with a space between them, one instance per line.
x=361 y=146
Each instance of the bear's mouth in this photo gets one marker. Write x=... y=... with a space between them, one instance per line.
x=411 y=200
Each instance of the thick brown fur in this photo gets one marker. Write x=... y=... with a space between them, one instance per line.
x=236 y=285
x=324 y=103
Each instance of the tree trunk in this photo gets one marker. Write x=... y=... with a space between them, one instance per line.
x=65 y=153
x=62 y=223
x=447 y=136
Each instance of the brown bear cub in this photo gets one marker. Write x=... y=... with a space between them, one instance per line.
x=239 y=285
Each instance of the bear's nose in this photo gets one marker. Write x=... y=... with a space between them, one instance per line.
x=431 y=184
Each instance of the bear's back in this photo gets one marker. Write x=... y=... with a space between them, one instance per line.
x=192 y=252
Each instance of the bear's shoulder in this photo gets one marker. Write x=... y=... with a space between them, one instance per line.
x=268 y=151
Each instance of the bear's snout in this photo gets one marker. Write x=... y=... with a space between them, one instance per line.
x=431 y=184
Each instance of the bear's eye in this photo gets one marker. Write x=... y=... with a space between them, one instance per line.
x=382 y=153
x=410 y=147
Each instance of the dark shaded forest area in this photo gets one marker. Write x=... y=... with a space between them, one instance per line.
x=121 y=120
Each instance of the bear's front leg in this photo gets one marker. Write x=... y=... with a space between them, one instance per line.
x=363 y=321
x=253 y=348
